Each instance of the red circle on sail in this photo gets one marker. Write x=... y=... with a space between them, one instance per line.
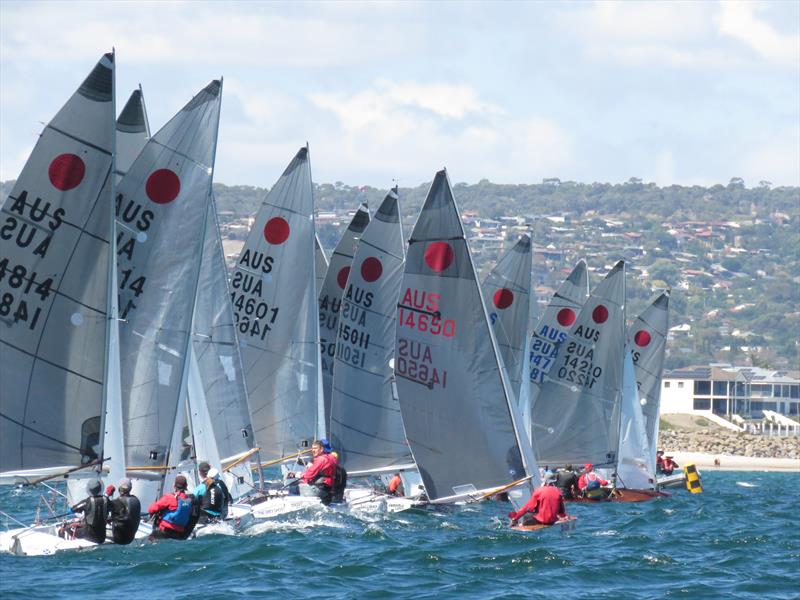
x=163 y=186
x=341 y=277
x=565 y=317
x=276 y=231
x=503 y=298
x=439 y=256
x=642 y=338
x=371 y=269
x=600 y=314
x=66 y=171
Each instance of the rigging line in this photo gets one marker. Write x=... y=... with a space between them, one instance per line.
x=79 y=140
x=428 y=384
x=437 y=314
x=49 y=362
x=44 y=435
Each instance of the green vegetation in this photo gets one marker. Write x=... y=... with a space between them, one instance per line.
x=730 y=254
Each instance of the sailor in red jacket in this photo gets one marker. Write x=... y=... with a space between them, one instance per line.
x=590 y=483
x=318 y=476
x=546 y=506
x=173 y=512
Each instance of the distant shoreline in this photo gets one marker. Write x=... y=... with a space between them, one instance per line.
x=705 y=462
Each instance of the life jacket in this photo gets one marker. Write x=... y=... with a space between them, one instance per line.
x=181 y=515
x=592 y=482
x=339 y=484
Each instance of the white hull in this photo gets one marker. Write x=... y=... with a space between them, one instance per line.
x=240 y=517
x=676 y=480
x=43 y=540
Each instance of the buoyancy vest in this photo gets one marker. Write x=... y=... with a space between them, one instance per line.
x=180 y=516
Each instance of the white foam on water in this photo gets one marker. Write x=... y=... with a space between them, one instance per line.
x=746 y=484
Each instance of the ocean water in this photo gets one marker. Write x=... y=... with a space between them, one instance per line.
x=739 y=539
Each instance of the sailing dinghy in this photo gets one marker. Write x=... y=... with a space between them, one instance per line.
x=460 y=420
x=551 y=329
x=330 y=300
x=366 y=425
x=162 y=205
x=59 y=401
x=508 y=289
x=648 y=339
x=275 y=309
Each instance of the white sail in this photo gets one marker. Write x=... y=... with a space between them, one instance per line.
x=456 y=409
x=133 y=131
x=330 y=300
x=648 y=340
x=275 y=308
x=507 y=292
x=218 y=399
x=560 y=314
x=634 y=469
x=321 y=264
x=366 y=425
x=575 y=418
x=55 y=288
x=162 y=206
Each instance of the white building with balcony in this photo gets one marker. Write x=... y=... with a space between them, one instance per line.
x=726 y=390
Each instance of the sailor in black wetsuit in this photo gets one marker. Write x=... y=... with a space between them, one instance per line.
x=126 y=512
x=567 y=482
x=95 y=513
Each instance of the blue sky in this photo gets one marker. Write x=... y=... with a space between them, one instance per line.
x=671 y=92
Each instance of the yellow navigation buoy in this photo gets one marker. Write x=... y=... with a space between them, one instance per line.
x=693 y=483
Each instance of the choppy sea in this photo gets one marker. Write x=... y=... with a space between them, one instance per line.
x=739 y=539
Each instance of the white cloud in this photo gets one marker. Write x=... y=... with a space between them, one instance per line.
x=738 y=20
x=776 y=160
x=243 y=33
x=416 y=128
x=674 y=34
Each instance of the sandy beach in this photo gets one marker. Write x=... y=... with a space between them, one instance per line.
x=706 y=462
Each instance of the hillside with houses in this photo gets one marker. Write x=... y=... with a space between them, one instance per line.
x=731 y=254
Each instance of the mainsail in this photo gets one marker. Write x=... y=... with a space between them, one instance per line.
x=575 y=418
x=507 y=292
x=55 y=287
x=456 y=409
x=133 y=131
x=648 y=340
x=366 y=425
x=162 y=204
x=275 y=308
x=560 y=314
x=330 y=299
